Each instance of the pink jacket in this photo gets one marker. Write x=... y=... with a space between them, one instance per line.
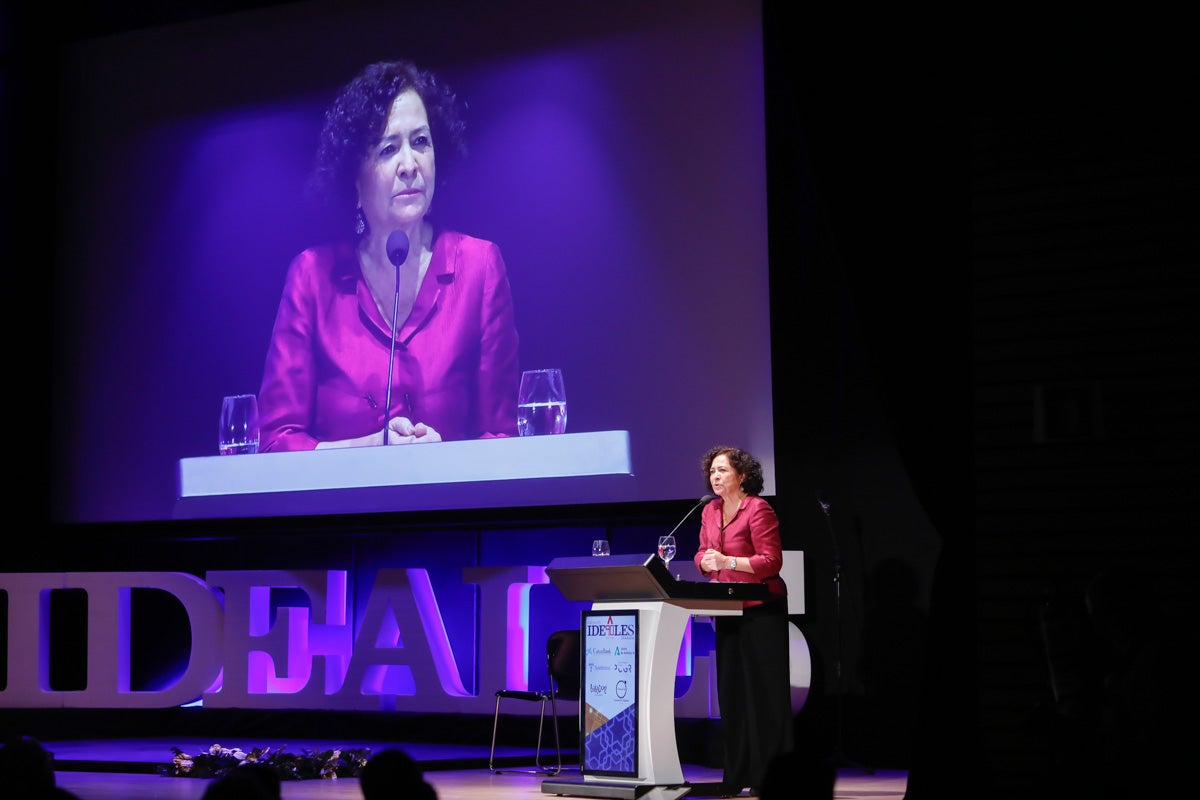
x=456 y=354
x=753 y=534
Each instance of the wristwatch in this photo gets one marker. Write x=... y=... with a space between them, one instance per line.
x=733 y=563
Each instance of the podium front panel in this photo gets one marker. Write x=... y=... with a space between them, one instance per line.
x=610 y=693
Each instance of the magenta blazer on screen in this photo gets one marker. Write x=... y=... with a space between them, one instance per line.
x=456 y=353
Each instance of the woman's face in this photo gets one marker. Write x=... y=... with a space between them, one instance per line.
x=396 y=178
x=725 y=480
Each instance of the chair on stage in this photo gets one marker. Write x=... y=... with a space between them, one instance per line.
x=563 y=667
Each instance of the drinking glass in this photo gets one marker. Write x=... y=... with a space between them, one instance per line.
x=541 y=403
x=666 y=550
x=600 y=547
x=238 y=429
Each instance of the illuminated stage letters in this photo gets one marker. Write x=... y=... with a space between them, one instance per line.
x=249 y=649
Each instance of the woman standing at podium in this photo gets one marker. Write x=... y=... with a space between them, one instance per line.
x=739 y=541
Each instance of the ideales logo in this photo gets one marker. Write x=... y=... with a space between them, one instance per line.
x=610 y=628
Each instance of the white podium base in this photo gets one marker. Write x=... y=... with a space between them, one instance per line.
x=621 y=791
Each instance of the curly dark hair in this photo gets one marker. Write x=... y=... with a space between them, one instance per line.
x=357 y=118
x=740 y=460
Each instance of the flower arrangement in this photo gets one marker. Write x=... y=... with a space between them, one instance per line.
x=329 y=764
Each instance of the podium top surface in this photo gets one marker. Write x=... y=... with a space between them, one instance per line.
x=640 y=577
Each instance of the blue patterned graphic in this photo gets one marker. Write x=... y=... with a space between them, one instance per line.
x=612 y=747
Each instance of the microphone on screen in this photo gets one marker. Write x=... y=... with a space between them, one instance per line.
x=703 y=500
x=397 y=248
x=397 y=252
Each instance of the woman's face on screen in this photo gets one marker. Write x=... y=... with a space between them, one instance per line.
x=397 y=176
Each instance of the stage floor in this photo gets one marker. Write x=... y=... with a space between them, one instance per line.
x=128 y=769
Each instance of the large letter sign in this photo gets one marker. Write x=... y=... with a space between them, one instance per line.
x=276 y=639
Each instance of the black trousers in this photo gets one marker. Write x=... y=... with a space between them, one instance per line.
x=754 y=691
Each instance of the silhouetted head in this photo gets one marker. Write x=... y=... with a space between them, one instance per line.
x=391 y=774
x=26 y=769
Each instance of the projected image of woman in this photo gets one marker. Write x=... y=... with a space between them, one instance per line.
x=446 y=294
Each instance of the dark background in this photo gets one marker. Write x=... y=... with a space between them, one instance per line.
x=1005 y=205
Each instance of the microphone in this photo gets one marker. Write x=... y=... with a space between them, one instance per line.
x=397 y=248
x=397 y=252
x=703 y=500
x=823 y=501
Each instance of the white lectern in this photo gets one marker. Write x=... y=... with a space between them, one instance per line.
x=663 y=604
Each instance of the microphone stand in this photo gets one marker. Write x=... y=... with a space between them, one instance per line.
x=702 y=501
x=706 y=499
x=397 y=251
x=838 y=757
x=387 y=404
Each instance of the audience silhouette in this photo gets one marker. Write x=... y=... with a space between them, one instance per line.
x=392 y=774
x=247 y=782
x=27 y=772
x=262 y=775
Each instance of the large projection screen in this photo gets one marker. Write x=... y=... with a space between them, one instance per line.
x=617 y=157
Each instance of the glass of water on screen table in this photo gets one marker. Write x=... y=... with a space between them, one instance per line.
x=541 y=403
x=237 y=432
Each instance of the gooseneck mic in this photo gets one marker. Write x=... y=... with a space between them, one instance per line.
x=397 y=252
x=703 y=500
x=397 y=249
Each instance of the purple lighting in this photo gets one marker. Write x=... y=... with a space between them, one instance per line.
x=616 y=157
x=516 y=673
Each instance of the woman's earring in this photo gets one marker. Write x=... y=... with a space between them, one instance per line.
x=360 y=222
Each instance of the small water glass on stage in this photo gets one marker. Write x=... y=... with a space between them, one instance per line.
x=600 y=547
x=541 y=403
x=238 y=430
x=666 y=550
